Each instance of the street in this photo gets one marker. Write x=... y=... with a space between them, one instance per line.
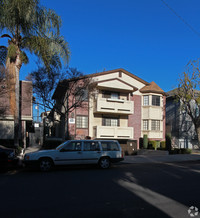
x=125 y=190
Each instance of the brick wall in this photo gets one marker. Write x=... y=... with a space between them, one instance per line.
x=135 y=119
x=26 y=93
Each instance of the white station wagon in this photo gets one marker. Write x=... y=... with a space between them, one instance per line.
x=101 y=152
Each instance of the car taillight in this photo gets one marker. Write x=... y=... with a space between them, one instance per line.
x=122 y=154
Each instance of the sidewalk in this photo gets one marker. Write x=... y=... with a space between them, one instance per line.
x=32 y=149
x=161 y=159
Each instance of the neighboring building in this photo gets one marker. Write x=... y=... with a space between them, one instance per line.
x=123 y=107
x=7 y=118
x=179 y=124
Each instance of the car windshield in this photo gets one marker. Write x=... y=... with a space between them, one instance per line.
x=61 y=145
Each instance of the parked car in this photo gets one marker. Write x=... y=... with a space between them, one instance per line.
x=101 y=152
x=7 y=156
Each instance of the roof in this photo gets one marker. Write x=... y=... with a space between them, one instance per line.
x=61 y=86
x=119 y=70
x=152 y=87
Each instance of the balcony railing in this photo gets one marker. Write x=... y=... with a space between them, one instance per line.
x=113 y=132
x=116 y=106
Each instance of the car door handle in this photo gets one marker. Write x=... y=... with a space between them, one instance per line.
x=79 y=152
x=98 y=152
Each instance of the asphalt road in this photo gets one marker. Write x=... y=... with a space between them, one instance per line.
x=125 y=190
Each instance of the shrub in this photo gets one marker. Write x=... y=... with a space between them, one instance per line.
x=145 y=141
x=163 y=145
x=153 y=145
x=180 y=151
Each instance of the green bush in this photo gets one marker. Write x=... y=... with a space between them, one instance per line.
x=150 y=144
x=145 y=141
x=180 y=151
x=153 y=145
x=163 y=145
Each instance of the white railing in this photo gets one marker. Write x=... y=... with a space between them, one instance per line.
x=117 y=106
x=113 y=132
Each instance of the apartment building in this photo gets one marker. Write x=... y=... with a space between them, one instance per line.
x=123 y=107
x=6 y=115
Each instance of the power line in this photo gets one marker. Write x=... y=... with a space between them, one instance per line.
x=181 y=18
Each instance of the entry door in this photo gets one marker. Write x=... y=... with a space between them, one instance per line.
x=91 y=152
x=70 y=154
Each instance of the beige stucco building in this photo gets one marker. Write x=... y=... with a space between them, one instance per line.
x=123 y=107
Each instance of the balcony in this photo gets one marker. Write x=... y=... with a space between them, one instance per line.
x=115 y=106
x=113 y=132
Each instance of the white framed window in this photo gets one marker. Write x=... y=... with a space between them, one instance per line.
x=145 y=100
x=145 y=125
x=155 y=100
x=81 y=121
x=110 y=121
x=155 y=125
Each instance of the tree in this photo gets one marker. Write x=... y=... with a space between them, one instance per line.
x=29 y=27
x=61 y=93
x=189 y=95
x=3 y=92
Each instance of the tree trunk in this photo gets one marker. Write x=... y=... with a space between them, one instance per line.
x=12 y=72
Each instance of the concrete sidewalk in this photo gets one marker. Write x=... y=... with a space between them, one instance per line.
x=161 y=158
x=32 y=149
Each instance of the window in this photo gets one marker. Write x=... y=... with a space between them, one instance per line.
x=110 y=121
x=110 y=146
x=145 y=100
x=145 y=124
x=81 y=95
x=91 y=146
x=81 y=122
x=113 y=95
x=155 y=100
x=72 y=146
x=155 y=125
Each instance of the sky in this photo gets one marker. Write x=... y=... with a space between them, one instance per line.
x=148 y=38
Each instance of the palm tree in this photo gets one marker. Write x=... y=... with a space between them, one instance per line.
x=28 y=27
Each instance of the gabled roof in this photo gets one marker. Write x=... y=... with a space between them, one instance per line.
x=116 y=84
x=152 y=87
x=119 y=70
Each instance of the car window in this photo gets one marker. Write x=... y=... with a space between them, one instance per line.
x=91 y=146
x=72 y=146
x=110 y=146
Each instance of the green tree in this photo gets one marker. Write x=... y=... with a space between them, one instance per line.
x=28 y=27
x=188 y=93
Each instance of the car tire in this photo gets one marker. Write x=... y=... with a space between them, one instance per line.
x=104 y=163
x=45 y=164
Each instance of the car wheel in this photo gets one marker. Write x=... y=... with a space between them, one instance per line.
x=104 y=163
x=46 y=164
